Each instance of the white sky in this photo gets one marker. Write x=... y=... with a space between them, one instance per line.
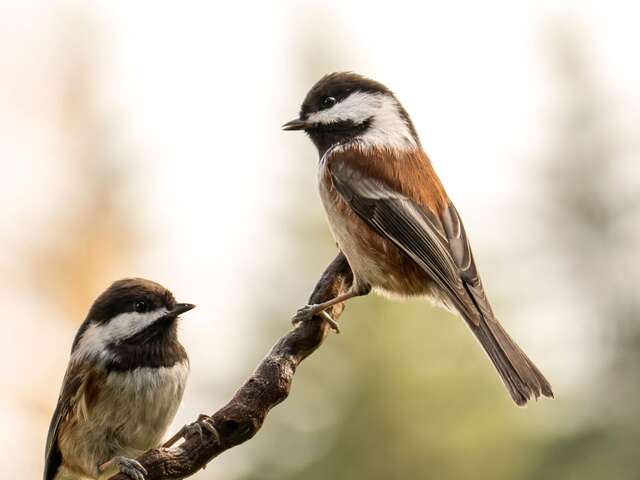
x=202 y=88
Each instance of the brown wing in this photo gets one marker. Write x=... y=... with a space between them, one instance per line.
x=420 y=233
x=460 y=249
x=72 y=388
x=439 y=245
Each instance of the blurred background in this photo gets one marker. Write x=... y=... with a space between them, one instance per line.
x=143 y=138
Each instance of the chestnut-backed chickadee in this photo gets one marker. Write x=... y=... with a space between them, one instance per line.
x=392 y=219
x=123 y=385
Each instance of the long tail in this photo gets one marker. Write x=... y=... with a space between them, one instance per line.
x=521 y=377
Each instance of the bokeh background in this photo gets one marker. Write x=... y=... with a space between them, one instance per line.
x=142 y=138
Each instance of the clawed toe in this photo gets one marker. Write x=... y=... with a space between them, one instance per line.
x=208 y=424
x=130 y=467
x=191 y=429
x=309 y=311
x=332 y=323
x=196 y=428
x=304 y=314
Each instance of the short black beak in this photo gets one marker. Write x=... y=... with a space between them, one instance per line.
x=181 y=308
x=295 y=124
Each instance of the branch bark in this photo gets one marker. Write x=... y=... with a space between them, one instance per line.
x=241 y=418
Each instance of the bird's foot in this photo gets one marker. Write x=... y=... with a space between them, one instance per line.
x=307 y=312
x=130 y=467
x=196 y=428
x=206 y=422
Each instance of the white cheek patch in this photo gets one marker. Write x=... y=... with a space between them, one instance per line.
x=357 y=107
x=97 y=336
x=388 y=127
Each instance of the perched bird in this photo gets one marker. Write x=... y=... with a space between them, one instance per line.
x=393 y=220
x=123 y=385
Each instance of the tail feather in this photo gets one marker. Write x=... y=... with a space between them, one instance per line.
x=521 y=377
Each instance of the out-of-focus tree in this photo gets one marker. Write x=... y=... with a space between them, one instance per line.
x=86 y=232
x=587 y=208
x=93 y=233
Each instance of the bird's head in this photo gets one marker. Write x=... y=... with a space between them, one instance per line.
x=132 y=310
x=343 y=107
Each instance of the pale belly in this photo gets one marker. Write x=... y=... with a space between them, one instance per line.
x=130 y=417
x=365 y=271
x=375 y=261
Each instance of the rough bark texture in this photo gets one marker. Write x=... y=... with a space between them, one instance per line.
x=241 y=418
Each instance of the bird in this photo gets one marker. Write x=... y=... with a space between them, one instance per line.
x=124 y=382
x=393 y=220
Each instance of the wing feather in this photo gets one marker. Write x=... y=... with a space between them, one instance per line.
x=71 y=388
x=438 y=245
x=437 y=242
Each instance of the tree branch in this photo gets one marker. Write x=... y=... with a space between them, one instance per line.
x=241 y=418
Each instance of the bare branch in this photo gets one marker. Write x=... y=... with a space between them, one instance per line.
x=241 y=418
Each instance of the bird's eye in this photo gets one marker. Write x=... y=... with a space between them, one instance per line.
x=140 y=306
x=327 y=102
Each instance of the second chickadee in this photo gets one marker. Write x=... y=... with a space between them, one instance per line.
x=123 y=385
x=393 y=220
